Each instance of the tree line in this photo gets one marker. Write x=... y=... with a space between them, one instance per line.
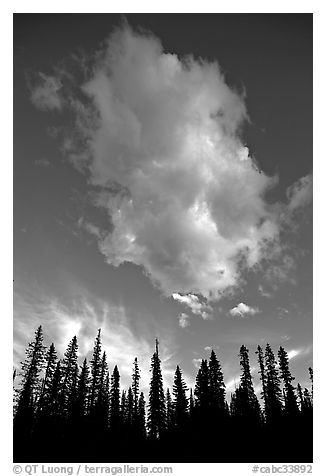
x=66 y=412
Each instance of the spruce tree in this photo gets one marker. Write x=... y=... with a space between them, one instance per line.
x=135 y=387
x=312 y=381
x=307 y=399
x=180 y=400
x=300 y=396
x=202 y=387
x=54 y=392
x=216 y=386
x=262 y=372
x=72 y=398
x=83 y=389
x=102 y=391
x=115 y=400
x=123 y=408
x=130 y=412
x=51 y=364
x=169 y=410
x=233 y=405
x=30 y=383
x=273 y=403
x=156 y=420
x=291 y=407
x=95 y=370
x=142 y=415
x=247 y=401
x=191 y=404
x=69 y=369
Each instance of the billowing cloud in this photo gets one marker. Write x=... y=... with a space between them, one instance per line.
x=197 y=307
x=183 y=320
x=160 y=137
x=45 y=95
x=243 y=310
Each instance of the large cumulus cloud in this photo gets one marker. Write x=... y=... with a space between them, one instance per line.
x=162 y=137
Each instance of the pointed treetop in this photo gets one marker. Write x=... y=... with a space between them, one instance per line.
x=156 y=346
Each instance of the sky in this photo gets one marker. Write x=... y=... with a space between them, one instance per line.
x=163 y=187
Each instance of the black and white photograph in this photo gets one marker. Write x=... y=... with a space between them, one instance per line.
x=163 y=238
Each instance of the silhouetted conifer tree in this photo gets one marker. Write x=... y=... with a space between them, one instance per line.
x=72 y=397
x=216 y=386
x=102 y=398
x=51 y=364
x=142 y=415
x=135 y=387
x=83 y=389
x=123 y=407
x=169 y=410
x=115 y=400
x=202 y=387
x=233 y=404
x=300 y=396
x=54 y=392
x=307 y=399
x=30 y=384
x=69 y=370
x=247 y=403
x=191 y=404
x=262 y=372
x=156 y=420
x=95 y=370
x=180 y=400
x=273 y=403
x=130 y=408
x=312 y=381
x=291 y=407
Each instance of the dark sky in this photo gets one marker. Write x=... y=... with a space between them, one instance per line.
x=186 y=205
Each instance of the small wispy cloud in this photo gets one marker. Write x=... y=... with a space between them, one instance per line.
x=300 y=193
x=42 y=163
x=301 y=351
x=293 y=353
x=196 y=362
x=183 y=320
x=89 y=227
x=282 y=312
x=262 y=291
x=282 y=272
x=243 y=310
x=285 y=337
x=197 y=307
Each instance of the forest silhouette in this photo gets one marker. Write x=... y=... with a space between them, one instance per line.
x=66 y=412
